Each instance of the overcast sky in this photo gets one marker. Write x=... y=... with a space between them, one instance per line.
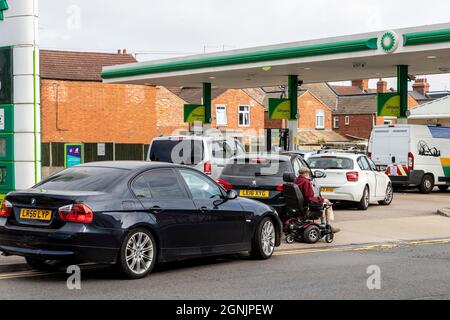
x=157 y=29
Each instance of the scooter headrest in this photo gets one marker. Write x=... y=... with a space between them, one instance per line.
x=289 y=177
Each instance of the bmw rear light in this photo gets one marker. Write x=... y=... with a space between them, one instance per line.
x=207 y=168
x=225 y=184
x=410 y=161
x=78 y=212
x=6 y=209
x=280 y=188
x=352 y=176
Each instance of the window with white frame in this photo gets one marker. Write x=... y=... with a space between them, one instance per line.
x=244 y=116
x=347 y=120
x=221 y=115
x=336 y=122
x=320 y=119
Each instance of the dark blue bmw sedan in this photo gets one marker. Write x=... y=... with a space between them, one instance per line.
x=132 y=215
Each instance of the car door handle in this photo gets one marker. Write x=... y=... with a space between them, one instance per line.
x=156 y=209
x=204 y=210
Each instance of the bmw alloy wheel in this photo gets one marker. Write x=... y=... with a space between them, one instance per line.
x=139 y=253
x=268 y=238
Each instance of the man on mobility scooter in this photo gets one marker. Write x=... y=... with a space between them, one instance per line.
x=303 y=209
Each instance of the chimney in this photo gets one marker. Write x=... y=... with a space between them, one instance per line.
x=382 y=86
x=362 y=84
x=119 y=51
x=421 y=86
x=124 y=51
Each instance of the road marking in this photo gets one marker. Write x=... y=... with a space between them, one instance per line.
x=25 y=274
x=372 y=247
x=32 y=274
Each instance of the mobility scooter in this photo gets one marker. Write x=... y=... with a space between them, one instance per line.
x=300 y=224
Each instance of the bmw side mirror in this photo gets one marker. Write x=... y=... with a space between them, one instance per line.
x=232 y=194
x=319 y=175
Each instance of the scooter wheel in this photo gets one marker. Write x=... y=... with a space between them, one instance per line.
x=329 y=238
x=290 y=239
x=312 y=234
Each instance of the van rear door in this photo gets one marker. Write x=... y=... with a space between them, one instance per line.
x=379 y=146
x=390 y=145
x=399 y=143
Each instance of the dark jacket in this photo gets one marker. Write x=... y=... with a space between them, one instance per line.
x=307 y=190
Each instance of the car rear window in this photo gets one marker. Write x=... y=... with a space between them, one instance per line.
x=257 y=167
x=226 y=149
x=97 y=179
x=188 y=152
x=331 y=163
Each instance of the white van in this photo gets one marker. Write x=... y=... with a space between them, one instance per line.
x=413 y=155
x=206 y=154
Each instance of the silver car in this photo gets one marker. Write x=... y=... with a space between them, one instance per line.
x=206 y=154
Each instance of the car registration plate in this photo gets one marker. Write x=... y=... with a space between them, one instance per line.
x=255 y=193
x=36 y=214
x=327 y=190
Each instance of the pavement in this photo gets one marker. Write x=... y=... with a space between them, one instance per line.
x=411 y=216
x=444 y=212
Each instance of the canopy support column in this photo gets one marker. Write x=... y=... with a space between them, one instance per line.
x=293 y=121
x=207 y=103
x=402 y=87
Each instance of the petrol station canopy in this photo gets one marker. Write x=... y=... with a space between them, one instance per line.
x=425 y=49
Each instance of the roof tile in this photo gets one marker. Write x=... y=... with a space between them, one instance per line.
x=78 y=66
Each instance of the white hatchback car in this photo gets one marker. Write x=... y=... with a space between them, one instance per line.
x=352 y=178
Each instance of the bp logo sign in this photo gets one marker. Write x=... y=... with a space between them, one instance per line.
x=3 y=7
x=389 y=41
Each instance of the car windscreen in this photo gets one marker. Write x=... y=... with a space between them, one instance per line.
x=256 y=167
x=187 y=152
x=97 y=179
x=331 y=163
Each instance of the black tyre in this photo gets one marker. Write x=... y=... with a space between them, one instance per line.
x=138 y=254
x=443 y=188
x=290 y=239
x=43 y=265
x=312 y=234
x=363 y=204
x=427 y=184
x=389 y=196
x=263 y=243
x=329 y=238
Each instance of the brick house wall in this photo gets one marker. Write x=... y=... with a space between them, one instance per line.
x=232 y=99
x=360 y=125
x=273 y=124
x=308 y=105
x=83 y=111
x=169 y=112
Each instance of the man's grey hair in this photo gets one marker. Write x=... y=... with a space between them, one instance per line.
x=304 y=171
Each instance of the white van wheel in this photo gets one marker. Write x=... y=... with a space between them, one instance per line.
x=427 y=184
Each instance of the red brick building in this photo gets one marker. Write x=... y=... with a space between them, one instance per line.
x=119 y=121
x=315 y=117
x=78 y=107
x=356 y=114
